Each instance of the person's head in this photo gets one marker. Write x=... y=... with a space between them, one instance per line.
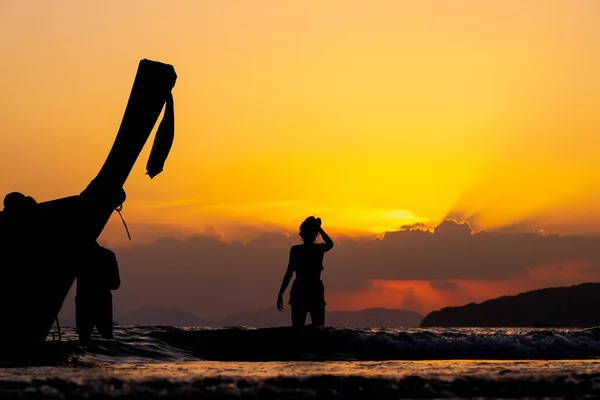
x=309 y=229
x=14 y=201
x=18 y=202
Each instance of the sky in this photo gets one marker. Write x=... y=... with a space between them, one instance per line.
x=371 y=115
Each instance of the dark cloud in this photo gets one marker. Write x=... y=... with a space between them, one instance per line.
x=473 y=219
x=416 y=226
x=443 y=285
x=212 y=278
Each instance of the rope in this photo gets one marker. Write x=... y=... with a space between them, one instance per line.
x=118 y=209
x=58 y=327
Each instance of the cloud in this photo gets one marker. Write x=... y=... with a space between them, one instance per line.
x=416 y=226
x=443 y=285
x=453 y=251
x=212 y=278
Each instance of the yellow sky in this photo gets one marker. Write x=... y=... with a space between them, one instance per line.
x=370 y=114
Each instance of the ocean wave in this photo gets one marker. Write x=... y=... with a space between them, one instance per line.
x=286 y=343
x=323 y=386
x=171 y=344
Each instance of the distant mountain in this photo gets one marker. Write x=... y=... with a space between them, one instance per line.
x=375 y=317
x=573 y=306
x=151 y=315
x=371 y=317
x=269 y=317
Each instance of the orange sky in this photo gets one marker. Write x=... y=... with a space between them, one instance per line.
x=420 y=296
x=368 y=114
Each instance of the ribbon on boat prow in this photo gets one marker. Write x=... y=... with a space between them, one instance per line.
x=162 y=141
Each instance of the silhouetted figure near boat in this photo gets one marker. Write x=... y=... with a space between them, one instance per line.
x=306 y=260
x=93 y=302
x=20 y=210
x=18 y=202
x=20 y=214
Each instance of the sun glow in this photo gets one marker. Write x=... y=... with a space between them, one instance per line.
x=371 y=115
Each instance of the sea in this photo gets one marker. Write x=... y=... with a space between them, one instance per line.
x=167 y=362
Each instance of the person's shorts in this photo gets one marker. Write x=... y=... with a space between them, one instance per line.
x=307 y=295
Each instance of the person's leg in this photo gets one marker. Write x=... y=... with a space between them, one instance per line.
x=104 y=315
x=317 y=316
x=83 y=317
x=298 y=316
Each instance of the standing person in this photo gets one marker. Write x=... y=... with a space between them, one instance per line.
x=306 y=260
x=93 y=301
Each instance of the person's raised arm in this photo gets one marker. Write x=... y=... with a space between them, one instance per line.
x=286 y=281
x=326 y=239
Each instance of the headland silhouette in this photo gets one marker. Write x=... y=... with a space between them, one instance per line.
x=565 y=307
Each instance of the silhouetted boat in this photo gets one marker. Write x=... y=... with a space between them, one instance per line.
x=41 y=250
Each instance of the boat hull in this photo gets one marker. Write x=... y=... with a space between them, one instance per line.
x=43 y=249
